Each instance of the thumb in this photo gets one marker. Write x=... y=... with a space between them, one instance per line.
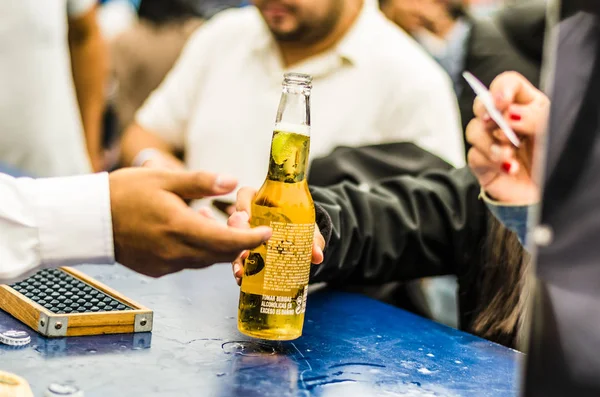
x=198 y=184
x=512 y=87
x=239 y=219
x=318 y=247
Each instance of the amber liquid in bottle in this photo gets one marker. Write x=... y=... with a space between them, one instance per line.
x=275 y=282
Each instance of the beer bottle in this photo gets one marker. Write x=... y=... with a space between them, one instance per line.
x=275 y=282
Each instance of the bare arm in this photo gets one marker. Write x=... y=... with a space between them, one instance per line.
x=137 y=139
x=89 y=68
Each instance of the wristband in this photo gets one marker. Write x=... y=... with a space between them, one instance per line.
x=145 y=155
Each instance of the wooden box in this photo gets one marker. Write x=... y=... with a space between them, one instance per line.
x=134 y=318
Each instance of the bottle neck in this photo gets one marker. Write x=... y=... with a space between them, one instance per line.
x=294 y=108
x=289 y=155
x=290 y=144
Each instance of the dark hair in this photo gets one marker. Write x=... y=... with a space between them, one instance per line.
x=504 y=287
x=163 y=11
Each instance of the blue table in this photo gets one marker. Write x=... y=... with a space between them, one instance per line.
x=352 y=346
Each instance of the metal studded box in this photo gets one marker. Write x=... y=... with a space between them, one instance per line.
x=66 y=302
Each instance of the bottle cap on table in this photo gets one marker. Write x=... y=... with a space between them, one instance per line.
x=15 y=338
x=63 y=390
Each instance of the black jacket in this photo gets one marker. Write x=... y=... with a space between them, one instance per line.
x=404 y=227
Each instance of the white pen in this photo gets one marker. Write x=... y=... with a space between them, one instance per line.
x=486 y=98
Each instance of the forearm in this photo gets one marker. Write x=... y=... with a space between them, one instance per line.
x=90 y=70
x=137 y=139
x=53 y=222
x=404 y=228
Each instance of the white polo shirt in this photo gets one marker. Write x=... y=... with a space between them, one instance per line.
x=377 y=85
x=40 y=124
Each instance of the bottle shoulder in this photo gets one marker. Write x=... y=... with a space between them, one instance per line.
x=287 y=200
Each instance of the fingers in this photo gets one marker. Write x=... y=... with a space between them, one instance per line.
x=487 y=123
x=483 y=141
x=317 y=256
x=205 y=233
x=244 y=200
x=227 y=239
x=511 y=87
x=479 y=110
x=238 y=266
x=522 y=105
x=482 y=166
x=480 y=163
x=193 y=185
x=484 y=170
x=318 y=247
x=240 y=220
x=506 y=89
x=527 y=120
x=230 y=210
x=488 y=154
x=478 y=137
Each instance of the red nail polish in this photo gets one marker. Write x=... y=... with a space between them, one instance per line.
x=515 y=117
x=506 y=166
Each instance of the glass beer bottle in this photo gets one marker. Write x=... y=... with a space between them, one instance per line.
x=275 y=282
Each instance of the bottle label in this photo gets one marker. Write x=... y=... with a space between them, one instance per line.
x=288 y=257
x=281 y=274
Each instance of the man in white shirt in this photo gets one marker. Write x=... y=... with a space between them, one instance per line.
x=53 y=59
x=372 y=84
x=134 y=216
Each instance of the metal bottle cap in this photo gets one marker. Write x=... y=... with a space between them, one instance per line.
x=63 y=390
x=15 y=338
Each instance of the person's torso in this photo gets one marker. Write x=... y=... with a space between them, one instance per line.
x=233 y=116
x=562 y=357
x=40 y=127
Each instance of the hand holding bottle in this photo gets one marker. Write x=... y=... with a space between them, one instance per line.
x=240 y=219
x=274 y=289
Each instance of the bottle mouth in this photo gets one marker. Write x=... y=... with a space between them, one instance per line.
x=298 y=79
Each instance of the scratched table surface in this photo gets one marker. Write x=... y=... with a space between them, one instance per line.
x=352 y=346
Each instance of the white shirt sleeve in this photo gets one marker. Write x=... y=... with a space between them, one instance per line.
x=53 y=222
x=77 y=8
x=167 y=110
